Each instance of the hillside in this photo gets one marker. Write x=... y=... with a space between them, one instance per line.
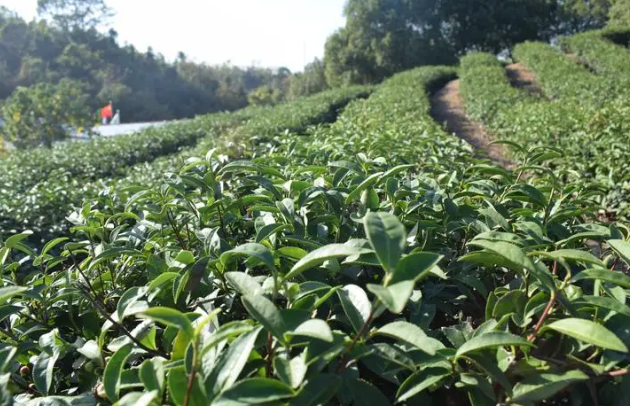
x=143 y=85
x=342 y=249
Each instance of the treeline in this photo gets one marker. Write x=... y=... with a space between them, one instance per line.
x=382 y=37
x=143 y=85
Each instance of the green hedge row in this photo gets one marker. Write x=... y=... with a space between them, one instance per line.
x=590 y=137
x=369 y=262
x=561 y=77
x=42 y=203
x=599 y=52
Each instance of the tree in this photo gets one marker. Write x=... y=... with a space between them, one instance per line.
x=44 y=113
x=312 y=80
x=263 y=96
x=619 y=14
x=382 y=37
x=75 y=14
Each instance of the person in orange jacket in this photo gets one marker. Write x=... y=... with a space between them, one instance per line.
x=107 y=112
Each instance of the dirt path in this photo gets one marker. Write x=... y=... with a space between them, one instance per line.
x=523 y=78
x=448 y=109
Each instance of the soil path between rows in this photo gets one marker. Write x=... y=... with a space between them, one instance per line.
x=447 y=108
x=523 y=78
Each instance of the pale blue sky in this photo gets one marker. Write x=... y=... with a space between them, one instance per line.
x=270 y=33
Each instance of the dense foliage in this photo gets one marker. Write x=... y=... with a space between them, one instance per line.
x=40 y=186
x=45 y=113
x=583 y=115
x=382 y=37
x=366 y=262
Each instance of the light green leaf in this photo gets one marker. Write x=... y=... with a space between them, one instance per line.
x=314 y=328
x=355 y=304
x=604 y=303
x=515 y=259
x=138 y=399
x=410 y=334
x=387 y=235
x=605 y=275
x=269 y=230
x=178 y=387
x=369 y=181
x=253 y=250
x=415 y=266
x=621 y=248
x=10 y=291
x=244 y=284
x=152 y=374
x=113 y=371
x=127 y=301
x=320 y=255
x=291 y=372
x=395 y=296
x=169 y=317
x=588 y=332
x=232 y=362
x=570 y=255
x=185 y=257
x=544 y=385
x=420 y=381
x=43 y=369
x=266 y=313
x=491 y=339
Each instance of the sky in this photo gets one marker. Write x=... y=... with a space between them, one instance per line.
x=267 y=33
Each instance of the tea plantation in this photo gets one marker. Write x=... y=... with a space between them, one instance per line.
x=343 y=249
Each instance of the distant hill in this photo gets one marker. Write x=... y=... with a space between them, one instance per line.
x=141 y=84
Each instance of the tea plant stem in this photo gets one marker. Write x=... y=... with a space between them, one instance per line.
x=100 y=307
x=543 y=317
x=193 y=373
x=269 y=355
x=344 y=358
x=619 y=372
x=169 y=216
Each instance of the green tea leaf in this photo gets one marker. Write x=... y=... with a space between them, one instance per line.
x=356 y=305
x=420 y=381
x=588 y=332
x=605 y=275
x=254 y=250
x=414 y=267
x=410 y=334
x=314 y=328
x=388 y=236
x=10 y=291
x=318 y=390
x=244 y=284
x=266 y=313
x=366 y=394
x=113 y=371
x=491 y=339
x=544 y=385
x=570 y=255
x=253 y=391
x=320 y=255
x=621 y=248
x=604 y=303
x=169 y=317
x=395 y=296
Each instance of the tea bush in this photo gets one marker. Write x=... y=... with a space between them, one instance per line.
x=38 y=192
x=599 y=52
x=369 y=262
x=588 y=132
